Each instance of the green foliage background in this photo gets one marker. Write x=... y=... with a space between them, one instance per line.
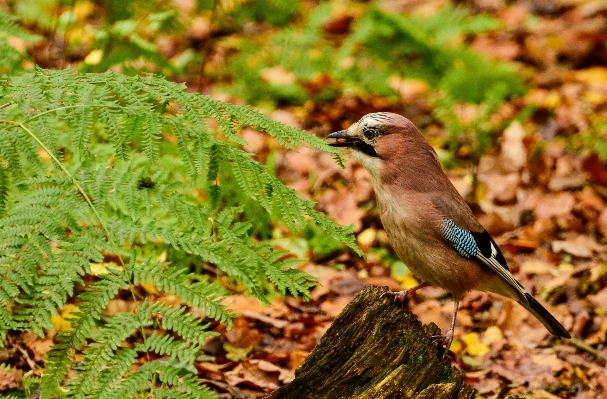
x=104 y=176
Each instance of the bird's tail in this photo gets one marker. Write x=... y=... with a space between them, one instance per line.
x=544 y=316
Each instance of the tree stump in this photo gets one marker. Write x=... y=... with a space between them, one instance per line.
x=374 y=350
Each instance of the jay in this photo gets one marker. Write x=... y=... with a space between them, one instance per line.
x=430 y=226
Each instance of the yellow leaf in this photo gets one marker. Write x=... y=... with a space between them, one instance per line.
x=553 y=100
x=456 y=346
x=595 y=97
x=98 y=269
x=149 y=288
x=409 y=282
x=94 y=57
x=474 y=346
x=581 y=375
x=591 y=75
x=83 y=9
x=367 y=237
x=44 y=155
x=492 y=335
x=236 y=354
x=59 y=322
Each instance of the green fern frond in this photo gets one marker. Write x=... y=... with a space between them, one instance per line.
x=203 y=295
x=101 y=175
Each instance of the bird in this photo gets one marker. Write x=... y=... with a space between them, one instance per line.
x=430 y=226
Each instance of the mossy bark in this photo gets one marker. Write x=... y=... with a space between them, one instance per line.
x=374 y=350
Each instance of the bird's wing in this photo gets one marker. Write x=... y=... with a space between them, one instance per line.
x=480 y=247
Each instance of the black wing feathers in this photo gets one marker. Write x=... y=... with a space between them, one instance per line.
x=484 y=241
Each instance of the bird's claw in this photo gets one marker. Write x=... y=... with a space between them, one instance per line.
x=398 y=296
x=443 y=340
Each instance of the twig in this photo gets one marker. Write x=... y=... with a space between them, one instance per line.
x=587 y=348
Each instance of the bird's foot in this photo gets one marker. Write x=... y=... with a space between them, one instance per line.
x=401 y=296
x=444 y=340
x=397 y=296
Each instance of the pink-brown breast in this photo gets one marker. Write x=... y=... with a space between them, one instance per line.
x=416 y=238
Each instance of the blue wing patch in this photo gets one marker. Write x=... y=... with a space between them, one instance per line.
x=481 y=247
x=462 y=240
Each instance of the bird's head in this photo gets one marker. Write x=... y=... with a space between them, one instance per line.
x=382 y=137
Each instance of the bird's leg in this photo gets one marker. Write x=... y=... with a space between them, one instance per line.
x=447 y=339
x=400 y=296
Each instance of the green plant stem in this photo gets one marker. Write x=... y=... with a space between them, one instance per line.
x=76 y=182
x=62 y=108
x=90 y=203
x=587 y=348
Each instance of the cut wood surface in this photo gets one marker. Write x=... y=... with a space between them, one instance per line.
x=375 y=349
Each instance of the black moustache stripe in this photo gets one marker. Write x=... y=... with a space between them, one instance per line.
x=366 y=148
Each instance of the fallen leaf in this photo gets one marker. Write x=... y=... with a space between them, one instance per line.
x=582 y=246
x=265 y=319
x=367 y=237
x=540 y=394
x=10 y=379
x=296 y=358
x=242 y=335
x=59 y=322
x=553 y=205
x=249 y=374
x=236 y=353
x=285 y=376
x=408 y=89
x=492 y=335
x=514 y=153
x=474 y=346
x=94 y=57
x=334 y=308
x=537 y=266
x=278 y=75
x=342 y=207
x=550 y=360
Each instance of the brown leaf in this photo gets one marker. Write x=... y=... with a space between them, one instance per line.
x=597 y=169
x=249 y=374
x=334 y=308
x=265 y=319
x=278 y=75
x=582 y=246
x=342 y=207
x=513 y=153
x=10 y=380
x=284 y=375
x=505 y=50
x=552 y=205
x=297 y=357
x=242 y=335
x=502 y=188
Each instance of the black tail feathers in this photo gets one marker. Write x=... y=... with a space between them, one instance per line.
x=545 y=317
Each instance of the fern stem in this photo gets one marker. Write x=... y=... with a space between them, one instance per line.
x=76 y=183
x=67 y=107
x=94 y=209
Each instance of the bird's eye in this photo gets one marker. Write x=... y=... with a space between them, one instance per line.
x=370 y=133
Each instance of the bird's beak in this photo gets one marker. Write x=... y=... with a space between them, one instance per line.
x=342 y=139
